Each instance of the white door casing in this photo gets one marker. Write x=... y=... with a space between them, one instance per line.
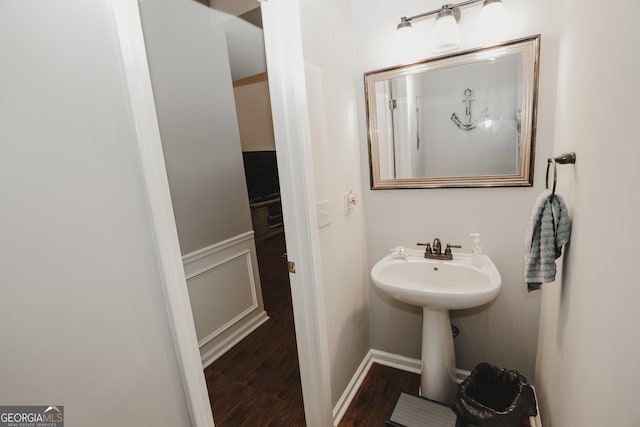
x=289 y=105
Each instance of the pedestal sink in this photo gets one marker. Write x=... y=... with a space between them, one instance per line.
x=437 y=286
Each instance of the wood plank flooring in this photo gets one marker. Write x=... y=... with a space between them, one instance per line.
x=257 y=383
x=378 y=393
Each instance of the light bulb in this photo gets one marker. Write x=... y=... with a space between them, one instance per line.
x=446 y=34
x=492 y=21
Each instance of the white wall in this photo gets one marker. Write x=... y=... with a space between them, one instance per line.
x=586 y=371
x=196 y=110
x=328 y=54
x=82 y=316
x=504 y=333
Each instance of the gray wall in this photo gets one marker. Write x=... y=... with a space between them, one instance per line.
x=82 y=315
x=193 y=92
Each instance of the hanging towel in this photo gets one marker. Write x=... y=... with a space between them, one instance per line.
x=549 y=229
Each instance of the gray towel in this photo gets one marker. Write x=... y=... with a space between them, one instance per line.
x=549 y=229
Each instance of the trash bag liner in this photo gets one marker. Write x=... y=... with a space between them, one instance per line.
x=494 y=397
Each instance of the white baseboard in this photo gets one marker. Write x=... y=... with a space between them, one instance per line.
x=250 y=324
x=352 y=388
x=396 y=361
x=373 y=356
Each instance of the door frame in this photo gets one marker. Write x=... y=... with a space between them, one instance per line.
x=285 y=65
x=290 y=112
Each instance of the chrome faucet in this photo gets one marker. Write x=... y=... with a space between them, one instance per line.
x=437 y=247
x=435 y=252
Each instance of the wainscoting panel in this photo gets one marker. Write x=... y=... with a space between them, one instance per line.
x=225 y=294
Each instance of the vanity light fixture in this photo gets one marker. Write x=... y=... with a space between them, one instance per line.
x=446 y=34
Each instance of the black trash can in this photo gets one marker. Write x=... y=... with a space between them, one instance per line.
x=494 y=397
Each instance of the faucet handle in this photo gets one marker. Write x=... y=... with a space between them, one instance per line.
x=447 y=250
x=427 y=249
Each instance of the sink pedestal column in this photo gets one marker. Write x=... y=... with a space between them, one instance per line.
x=438 y=379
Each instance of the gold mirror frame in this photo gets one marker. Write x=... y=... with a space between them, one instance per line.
x=529 y=48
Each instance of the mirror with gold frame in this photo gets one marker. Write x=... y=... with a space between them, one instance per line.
x=461 y=120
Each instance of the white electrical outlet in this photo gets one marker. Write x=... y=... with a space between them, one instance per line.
x=324 y=213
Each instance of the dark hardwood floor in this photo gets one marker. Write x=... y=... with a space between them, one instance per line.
x=374 y=401
x=378 y=393
x=257 y=382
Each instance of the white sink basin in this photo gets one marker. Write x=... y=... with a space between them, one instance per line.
x=438 y=284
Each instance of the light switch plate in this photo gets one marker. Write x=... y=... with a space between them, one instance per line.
x=324 y=213
x=350 y=202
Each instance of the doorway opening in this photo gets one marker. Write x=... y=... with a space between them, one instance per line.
x=257 y=382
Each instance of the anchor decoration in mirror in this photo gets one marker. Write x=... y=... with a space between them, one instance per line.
x=461 y=120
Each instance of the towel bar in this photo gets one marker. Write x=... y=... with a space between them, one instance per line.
x=563 y=159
